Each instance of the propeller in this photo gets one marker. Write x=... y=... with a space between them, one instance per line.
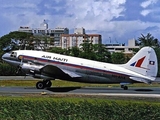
x=18 y=70
x=20 y=66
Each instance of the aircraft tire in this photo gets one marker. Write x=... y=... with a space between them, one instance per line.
x=125 y=87
x=40 y=85
x=122 y=86
x=48 y=84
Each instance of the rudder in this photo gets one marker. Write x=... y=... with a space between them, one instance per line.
x=144 y=62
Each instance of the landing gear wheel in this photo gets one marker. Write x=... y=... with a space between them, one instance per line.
x=48 y=84
x=40 y=85
x=122 y=86
x=125 y=88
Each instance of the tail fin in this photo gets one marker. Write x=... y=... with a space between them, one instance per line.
x=144 y=62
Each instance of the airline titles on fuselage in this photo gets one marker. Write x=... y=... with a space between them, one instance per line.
x=55 y=58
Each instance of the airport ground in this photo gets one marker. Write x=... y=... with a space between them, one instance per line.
x=19 y=99
x=18 y=86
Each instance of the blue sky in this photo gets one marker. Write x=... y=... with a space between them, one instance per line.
x=118 y=20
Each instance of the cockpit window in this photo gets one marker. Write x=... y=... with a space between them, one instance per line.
x=13 y=54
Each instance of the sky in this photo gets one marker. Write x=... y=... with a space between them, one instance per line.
x=116 y=20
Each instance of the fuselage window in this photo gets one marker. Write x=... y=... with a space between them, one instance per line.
x=13 y=54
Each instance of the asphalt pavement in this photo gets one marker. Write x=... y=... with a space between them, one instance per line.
x=105 y=91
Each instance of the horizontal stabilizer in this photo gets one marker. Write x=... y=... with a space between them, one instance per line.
x=141 y=80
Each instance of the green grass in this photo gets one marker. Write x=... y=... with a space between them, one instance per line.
x=61 y=83
x=71 y=107
x=51 y=108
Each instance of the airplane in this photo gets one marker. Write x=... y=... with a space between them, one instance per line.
x=141 y=68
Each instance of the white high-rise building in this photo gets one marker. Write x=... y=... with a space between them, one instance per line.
x=79 y=31
x=44 y=30
x=79 y=37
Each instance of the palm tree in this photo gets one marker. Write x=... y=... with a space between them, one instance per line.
x=148 y=40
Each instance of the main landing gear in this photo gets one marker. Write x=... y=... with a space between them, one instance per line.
x=124 y=87
x=43 y=84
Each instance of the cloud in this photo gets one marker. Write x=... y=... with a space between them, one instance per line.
x=118 y=19
x=92 y=14
x=145 y=12
x=60 y=13
x=150 y=7
x=122 y=31
x=148 y=3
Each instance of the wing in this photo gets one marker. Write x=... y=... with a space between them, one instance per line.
x=56 y=72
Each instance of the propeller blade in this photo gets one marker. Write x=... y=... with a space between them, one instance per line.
x=20 y=66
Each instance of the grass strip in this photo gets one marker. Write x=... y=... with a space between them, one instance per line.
x=51 y=108
x=62 y=83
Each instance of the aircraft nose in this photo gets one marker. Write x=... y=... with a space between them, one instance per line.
x=5 y=56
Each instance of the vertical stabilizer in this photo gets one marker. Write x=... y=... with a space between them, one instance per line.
x=144 y=62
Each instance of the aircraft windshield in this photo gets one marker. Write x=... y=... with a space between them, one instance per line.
x=13 y=54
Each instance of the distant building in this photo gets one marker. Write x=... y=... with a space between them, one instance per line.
x=25 y=29
x=128 y=50
x=56 y=33
x=79 y=36
x=44 y=30
x=79 y=31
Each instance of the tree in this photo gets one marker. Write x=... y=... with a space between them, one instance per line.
x=27 y=41
x=102 y=54
x=74 y=51
x=39 y=42
x=6 y=69
x=148 y=40
x=21 y=36
x=118 y=57
x=57 y=50
x=87 y=50
x=157 y=50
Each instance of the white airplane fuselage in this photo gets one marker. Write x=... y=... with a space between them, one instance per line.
x=47 y=65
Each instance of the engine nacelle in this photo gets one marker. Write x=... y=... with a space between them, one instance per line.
x=30 y=68
x=34 y=70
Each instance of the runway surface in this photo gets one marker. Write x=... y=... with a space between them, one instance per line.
x=99 y=91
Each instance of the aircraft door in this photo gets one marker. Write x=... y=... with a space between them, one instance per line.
x=90 y=71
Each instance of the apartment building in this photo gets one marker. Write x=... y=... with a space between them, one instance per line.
x=79 y=37
x=43 y=30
